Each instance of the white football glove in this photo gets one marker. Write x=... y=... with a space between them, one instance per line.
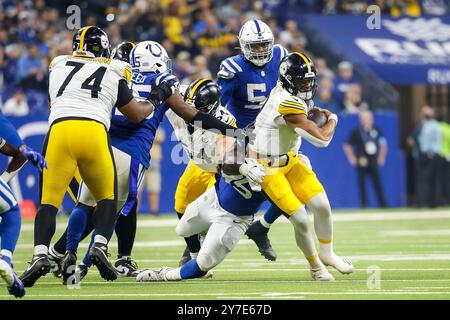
x=254 y=172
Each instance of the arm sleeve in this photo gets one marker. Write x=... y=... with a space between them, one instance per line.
x=124 y=94
x=209 y=122
x=9 y=133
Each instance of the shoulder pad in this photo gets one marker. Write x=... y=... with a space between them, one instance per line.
x=225 y=74
x=121 y=68
x=225 y=116
x=283 y=50
x=292 y=105
x=55 y=61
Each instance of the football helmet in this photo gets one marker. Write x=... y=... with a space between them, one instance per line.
x=150 y=56
x=256 y=42
x=297 y=74
x=122 y=51
x=204 y=95
x=91 y=41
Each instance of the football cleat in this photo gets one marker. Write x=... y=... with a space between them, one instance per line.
x=340 y=264
x=126 y=267
x=185 y=257
x=208 y=274
x=258 y=233
x=55 y=262
x=149 y=275
x=39 y=266
x=83 y=270
x=13 y=283
x=321 y=274
x=68 y=266
x=98 y=255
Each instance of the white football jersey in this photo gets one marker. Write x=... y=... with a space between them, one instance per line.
x=273 y=136
x=200 y=144
x=85 y=87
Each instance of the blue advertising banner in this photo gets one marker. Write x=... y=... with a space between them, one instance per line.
x=400 y=51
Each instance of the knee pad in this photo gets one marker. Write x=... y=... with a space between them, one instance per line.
x=206 y=261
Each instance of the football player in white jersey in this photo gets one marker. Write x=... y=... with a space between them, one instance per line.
x=291 y=185
x=201 y=147
x=83 y=89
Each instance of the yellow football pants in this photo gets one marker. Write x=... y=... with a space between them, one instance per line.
x=291 y=186
x=77 y=144
x=192 y=184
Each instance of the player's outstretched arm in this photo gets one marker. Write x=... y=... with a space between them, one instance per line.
x=17 y=162
x=320 y=137
x=195 y=117
x=134 y=110
x=10 y=135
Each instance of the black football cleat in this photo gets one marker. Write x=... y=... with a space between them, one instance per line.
x=185 y=257
x=98 y=256
x=126 y=267
x=83 y=269
x=258 y=233
x=68 y=268
x=55 y=262
x=39 y=266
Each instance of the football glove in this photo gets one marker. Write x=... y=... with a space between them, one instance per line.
x=254 y=172
x=35 y=158
x=163 y=87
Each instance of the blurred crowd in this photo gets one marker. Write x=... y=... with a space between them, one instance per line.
x=198 y=35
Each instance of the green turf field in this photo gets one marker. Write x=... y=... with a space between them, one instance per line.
x=408 y=250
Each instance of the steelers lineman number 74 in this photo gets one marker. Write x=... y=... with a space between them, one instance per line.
x=96 y=78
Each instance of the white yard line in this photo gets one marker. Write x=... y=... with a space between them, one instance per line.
x=387 y=215
x=415 y=233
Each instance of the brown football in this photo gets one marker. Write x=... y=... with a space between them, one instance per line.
x=318 y=117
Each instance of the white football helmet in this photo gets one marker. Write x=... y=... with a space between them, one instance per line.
x=150 y=56
x=256 y=41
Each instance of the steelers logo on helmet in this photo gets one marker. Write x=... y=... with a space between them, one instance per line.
x=283 y=68
x=104 y=41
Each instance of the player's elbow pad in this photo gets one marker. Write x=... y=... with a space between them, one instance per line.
x=319 y=143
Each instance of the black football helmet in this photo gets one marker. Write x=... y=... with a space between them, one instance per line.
x=91 y=40
x=203 y=94
x=297 y=74
x=122 y=51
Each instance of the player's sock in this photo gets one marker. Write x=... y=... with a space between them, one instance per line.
x=44 y=226
x=105 y=216
x=76 y=226
x=126 y=232
x=191 y=270
x=304 y=238
x=6 y=255
x=10 y=230
x=60 y=245
x=323 y=222
x=269 y=217
x=193 y=242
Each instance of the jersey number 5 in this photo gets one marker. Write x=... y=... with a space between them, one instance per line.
x=95 y=78
x=252 y=97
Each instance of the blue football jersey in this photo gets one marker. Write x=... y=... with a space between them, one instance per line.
x=237 y=197
x=136 y=139
x=245 y=86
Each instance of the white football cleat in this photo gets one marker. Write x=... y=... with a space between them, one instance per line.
x=321 y=274
x=149 y=275
x=340 y=264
